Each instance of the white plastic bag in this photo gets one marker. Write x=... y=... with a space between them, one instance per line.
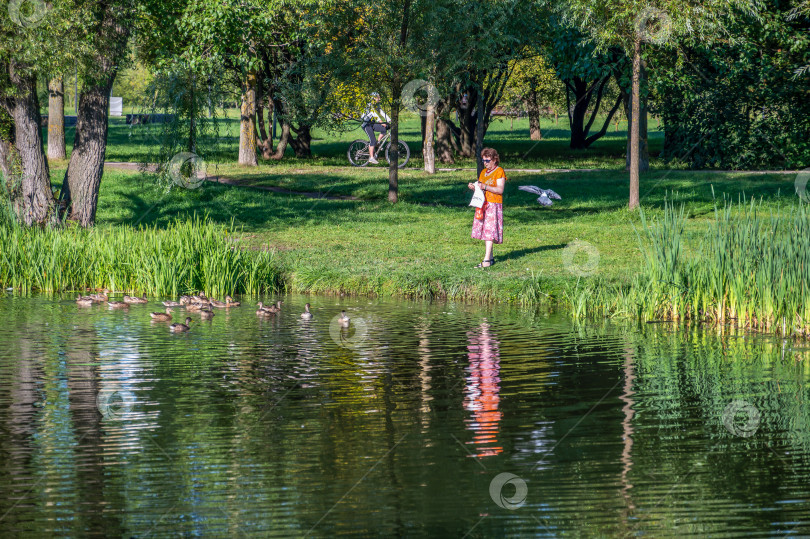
x=478 y=198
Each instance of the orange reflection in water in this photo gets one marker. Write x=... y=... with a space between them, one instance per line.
x=482 y=390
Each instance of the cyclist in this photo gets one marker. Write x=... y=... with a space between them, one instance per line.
x=374 y=120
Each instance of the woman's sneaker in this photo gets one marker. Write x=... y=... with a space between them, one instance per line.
x=373 y=161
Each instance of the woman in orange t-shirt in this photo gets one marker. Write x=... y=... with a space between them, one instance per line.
x=490 y=226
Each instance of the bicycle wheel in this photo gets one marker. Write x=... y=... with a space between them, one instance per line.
x=404 y=154
x=358 y=153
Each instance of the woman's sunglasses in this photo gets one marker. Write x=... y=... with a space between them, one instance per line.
x=486 y=160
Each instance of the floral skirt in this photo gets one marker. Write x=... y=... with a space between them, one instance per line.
x=491 y=226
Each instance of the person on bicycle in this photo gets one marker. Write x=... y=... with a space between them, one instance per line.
x=374 y=120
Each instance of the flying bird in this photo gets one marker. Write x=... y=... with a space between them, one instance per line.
x=545 y=194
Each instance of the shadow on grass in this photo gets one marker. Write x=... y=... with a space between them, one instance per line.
x=520 y=253
x=135 y=198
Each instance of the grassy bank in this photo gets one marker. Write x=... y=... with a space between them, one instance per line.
x=748 y=269
x=582 y=254
x=421 y=247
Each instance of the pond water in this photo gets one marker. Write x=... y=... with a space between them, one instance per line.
x=420 y=419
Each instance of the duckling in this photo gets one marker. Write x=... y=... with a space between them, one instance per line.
x=306 y=315
x=229 y=302
x=84 y=301
x=172 y=304
x=117 y=304
x=344 y=320
x=185 y=300
x=278 y=305
x=178 y=327
x=206 y=314
x=162 y=316
x=135 y=300
x=264 y=311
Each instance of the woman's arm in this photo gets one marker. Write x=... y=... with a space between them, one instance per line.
x=500 y=184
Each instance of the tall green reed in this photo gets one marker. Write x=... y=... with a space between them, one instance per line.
x=750 y=268
x=189 y=255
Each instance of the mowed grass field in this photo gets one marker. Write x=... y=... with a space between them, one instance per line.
x=422 y=246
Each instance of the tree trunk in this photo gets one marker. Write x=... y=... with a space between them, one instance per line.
x=634 y=128
x=282 y=141
x=192 y=120
x=396 y=102
x=533 y=109
x=25 y=167
x=56 y=119
x=247 y=131
x=576 y=114
x=467 y=124
x=643 y=148
x=479 y=134
x=265 y=143
x=80 y=188
x=444 y=141
x=428 y=153
x=83 y=176
x=9 y=160
x=393 y=166
x=302 y=143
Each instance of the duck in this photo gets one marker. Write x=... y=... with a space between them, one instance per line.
x=100 y=298
x=278 y=305
x=135 y=300
x=117 y=304
x=272 y=309
x=172 y=304
x=344 y=320
x=178 y=327
x=185 y=300
x=306 y=315
x=197 y=307
x=265 y=311
x=206 y=314
x=162 y=316
x=229 y=302
x=218 y=304
x=84 y=301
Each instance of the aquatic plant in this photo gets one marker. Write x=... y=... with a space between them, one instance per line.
x=750 y=270
x=189 y=255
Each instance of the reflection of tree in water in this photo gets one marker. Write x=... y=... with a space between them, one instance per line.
x=21 y=372
x=684 y=380
x=54 y=439
x=83 y=381
x=482 y=392
x=627 y=430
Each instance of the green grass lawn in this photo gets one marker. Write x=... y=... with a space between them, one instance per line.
x=422 y=245
x=139 y=143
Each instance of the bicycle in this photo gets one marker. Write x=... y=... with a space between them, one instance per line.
x=359 y=153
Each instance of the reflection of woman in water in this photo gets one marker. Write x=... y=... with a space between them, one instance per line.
x=482 y=391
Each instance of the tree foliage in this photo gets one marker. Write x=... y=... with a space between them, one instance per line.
x=738 y=105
